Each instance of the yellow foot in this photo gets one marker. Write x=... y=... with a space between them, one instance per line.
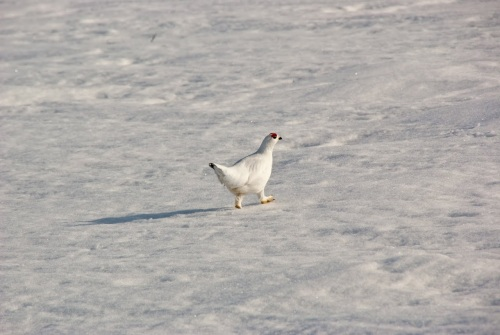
x=237 y=206
x=267 y=200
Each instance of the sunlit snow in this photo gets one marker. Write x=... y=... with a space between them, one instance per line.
x=387 y=181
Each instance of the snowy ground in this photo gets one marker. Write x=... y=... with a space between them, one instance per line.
x=387 y=181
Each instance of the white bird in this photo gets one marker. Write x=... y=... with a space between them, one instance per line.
x=251 y=173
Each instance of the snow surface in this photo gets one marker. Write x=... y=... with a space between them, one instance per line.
x=387 y=179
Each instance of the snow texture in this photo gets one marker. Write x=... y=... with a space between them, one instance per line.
x=387 y=181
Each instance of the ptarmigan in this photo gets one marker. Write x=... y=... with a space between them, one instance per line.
x=251 y=173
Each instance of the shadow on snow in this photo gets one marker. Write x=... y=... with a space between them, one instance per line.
x=152 y=216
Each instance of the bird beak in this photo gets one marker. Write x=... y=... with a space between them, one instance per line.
x=279 y=138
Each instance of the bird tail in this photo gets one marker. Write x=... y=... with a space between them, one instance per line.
x=218 y=172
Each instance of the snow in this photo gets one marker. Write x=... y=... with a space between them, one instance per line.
x=387 y=183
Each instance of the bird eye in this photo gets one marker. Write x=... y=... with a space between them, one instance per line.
x=274 y=135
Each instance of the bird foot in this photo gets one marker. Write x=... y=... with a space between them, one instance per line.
x=267 y=200
x=237 y=206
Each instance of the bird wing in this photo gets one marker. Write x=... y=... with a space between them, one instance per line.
x=259 y=168
x=232 y=177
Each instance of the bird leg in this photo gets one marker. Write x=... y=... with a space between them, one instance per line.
x=263 y=199
x=237 y=201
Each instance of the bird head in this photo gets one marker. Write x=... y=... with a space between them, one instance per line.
x=275 y=136
x=269 y=142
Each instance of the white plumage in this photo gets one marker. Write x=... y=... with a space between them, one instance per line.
x=251 y=173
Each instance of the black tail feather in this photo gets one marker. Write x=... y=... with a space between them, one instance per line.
x=212 y=165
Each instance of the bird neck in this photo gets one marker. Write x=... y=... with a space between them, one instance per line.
x=266 y=146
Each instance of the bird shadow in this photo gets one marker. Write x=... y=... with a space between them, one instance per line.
x=145 y=216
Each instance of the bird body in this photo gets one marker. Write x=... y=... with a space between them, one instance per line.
x=251 y=173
